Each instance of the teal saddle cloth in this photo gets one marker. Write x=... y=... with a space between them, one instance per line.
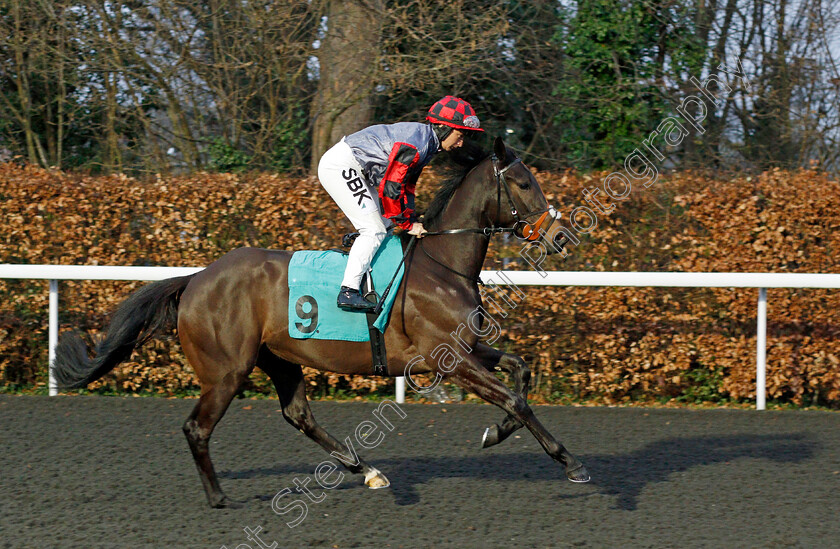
x=314 y=280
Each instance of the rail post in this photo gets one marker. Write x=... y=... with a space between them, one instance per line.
x=761 y=351
x=400 y=390
x=53 y=334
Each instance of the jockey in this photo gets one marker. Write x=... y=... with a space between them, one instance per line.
x=372 y=173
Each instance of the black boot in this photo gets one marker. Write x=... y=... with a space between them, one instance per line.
x=350 y=299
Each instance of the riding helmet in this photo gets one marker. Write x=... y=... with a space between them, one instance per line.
x=454 y=112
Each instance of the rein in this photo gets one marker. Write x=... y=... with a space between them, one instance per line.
x=487 y=231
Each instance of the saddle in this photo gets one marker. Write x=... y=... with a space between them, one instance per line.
x=314 y=278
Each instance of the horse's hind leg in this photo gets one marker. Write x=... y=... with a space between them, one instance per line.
x=211 y=406
x=291 y=389
x=492 y=359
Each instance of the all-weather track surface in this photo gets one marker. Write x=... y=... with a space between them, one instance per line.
x=94 y=472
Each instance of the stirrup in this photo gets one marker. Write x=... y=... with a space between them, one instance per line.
x=348 y=239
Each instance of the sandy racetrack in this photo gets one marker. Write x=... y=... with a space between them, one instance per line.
x=116 y=472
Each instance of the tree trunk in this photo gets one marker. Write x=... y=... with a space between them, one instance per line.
x=348 y=59
x=22 y=81
x=112 y=161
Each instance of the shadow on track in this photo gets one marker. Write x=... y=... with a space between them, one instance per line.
x=624 y=476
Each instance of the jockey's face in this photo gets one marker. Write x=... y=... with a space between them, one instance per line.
x=454 y=140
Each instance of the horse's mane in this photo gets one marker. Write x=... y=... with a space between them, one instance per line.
x=467 y=158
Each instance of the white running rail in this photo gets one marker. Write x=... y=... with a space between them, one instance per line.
x=54 y=273
x=761 y=281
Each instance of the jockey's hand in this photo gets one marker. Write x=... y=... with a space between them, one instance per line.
x=417 y=230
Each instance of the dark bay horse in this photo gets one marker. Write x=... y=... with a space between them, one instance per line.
x=232 y=317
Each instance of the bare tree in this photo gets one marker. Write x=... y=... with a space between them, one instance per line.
x=33 y=68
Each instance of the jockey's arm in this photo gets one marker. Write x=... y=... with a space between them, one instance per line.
x=396 y=189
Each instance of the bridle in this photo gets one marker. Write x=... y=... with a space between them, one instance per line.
x=522 y=228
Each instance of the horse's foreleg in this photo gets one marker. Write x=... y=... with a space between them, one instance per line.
x=473 y=377
x=491 y=359
x=291 y=389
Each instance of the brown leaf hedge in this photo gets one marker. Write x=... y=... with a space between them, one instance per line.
x=609 y=345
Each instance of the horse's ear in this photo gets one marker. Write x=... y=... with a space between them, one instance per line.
x=499 y=149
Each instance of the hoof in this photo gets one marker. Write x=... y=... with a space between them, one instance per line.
x=578 y=474
x=375 y=480
x=491 y=437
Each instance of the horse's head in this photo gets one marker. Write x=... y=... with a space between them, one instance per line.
x=518 y=200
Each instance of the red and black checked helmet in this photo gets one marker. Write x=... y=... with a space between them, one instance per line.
x=455 y=113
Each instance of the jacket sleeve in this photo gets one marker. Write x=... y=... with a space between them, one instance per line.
x=396 y=189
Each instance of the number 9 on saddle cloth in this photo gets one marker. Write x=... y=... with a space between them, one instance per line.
x=313 y=278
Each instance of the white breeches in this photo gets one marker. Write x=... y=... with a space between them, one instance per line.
x=341 y=175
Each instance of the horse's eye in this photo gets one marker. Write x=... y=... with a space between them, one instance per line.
x=524 y=186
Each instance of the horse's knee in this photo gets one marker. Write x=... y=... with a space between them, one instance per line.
x=519 y=408
x=524 y=373
x=517 y=366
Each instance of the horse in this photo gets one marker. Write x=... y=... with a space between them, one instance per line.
x=232 y=317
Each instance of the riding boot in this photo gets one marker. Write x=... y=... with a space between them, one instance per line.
x=350 y=299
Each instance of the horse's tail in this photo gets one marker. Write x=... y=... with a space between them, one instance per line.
x=148 y=311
